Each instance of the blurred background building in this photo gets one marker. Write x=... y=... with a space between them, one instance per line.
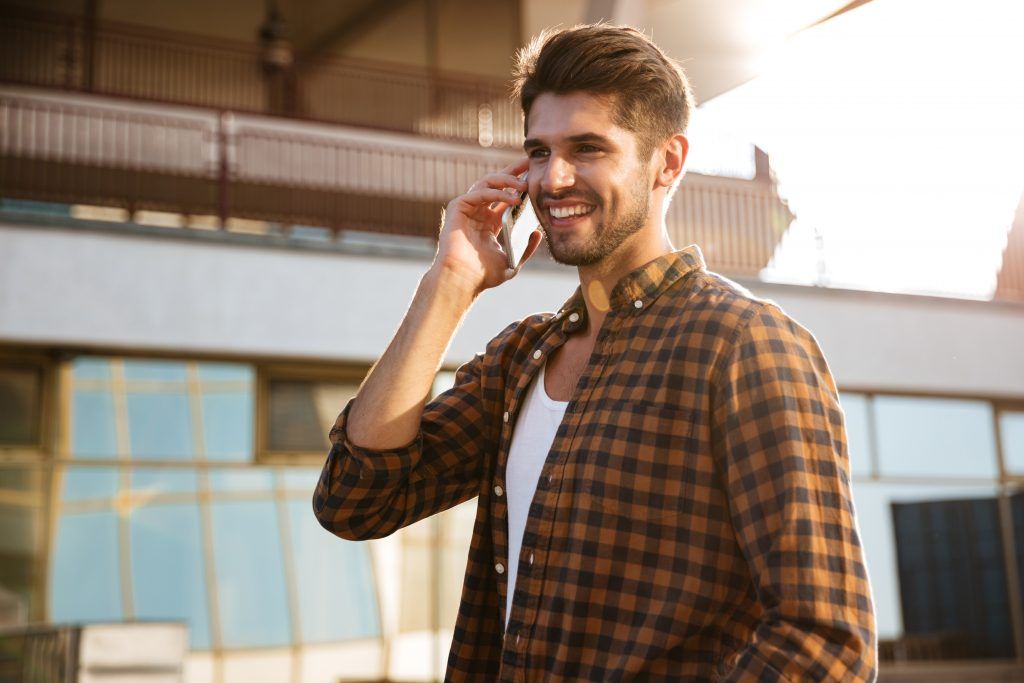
x=212 y=218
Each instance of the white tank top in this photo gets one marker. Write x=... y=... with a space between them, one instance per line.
x=534 y=433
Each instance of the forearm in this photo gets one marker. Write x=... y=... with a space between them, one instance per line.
x=389 y=404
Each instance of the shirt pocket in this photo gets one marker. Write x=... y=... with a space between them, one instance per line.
x=639 y=465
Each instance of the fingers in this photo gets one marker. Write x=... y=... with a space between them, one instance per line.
x=516 y=167
x=488 y=195
x=499 y=181
x=511 y=183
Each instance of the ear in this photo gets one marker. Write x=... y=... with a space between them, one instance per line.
x=671 y=160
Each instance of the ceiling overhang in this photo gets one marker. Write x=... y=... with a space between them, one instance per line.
x=721 y=43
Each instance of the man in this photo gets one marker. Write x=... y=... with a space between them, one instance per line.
x=661 y=465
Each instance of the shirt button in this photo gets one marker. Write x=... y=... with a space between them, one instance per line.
x=550 y=479
x=498 y=491
x=638 y=303
x=574 y=317
x=500 y=568
x=531 y=558
x=536 y=354
x=505 y=416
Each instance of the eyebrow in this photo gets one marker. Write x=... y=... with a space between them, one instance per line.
x=582 y=137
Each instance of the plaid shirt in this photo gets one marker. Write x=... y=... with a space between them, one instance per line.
x=693 y=520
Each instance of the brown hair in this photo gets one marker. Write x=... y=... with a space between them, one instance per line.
x=651 y=95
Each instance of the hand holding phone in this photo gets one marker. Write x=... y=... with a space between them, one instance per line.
x=517 y=224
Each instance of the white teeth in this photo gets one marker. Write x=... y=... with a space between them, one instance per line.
x=568 y=211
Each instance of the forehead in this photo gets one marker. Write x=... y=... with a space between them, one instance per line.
x=554 y=117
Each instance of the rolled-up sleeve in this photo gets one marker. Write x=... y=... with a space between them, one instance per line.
x=365 y=493
x=779 y=441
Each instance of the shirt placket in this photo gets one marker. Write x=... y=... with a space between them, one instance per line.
x=541 y=519
x=499 y=529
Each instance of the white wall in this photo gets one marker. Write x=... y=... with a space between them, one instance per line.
x=101 y=288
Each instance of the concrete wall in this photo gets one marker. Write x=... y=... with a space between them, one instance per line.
x=165 y=290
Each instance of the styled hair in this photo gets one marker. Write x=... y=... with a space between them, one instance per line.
x=650 y=94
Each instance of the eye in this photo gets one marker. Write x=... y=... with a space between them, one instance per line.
x=537 y=153
x=589 y=149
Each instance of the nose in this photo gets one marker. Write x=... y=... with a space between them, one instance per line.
x=558 y=175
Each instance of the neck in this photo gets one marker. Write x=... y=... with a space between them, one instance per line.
x=599 y=279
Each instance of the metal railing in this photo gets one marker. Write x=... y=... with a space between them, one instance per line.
x=92 y=151
x=41 y=654
x=60 y=51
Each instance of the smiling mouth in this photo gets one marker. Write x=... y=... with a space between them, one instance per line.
x=570 y=212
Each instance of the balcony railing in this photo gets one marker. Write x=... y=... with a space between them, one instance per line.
x=193 y=162
x=58 y=51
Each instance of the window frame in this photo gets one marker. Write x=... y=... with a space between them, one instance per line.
x=269 y=372
x=47 y=365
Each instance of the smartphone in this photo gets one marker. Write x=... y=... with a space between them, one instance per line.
x=517 y=224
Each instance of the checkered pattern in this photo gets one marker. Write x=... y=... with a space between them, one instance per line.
x=693 y=520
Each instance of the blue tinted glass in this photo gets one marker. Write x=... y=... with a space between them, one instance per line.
x=855 y=409
x=29 y=206
x=228 y=426
x=160 y=370
x=1011 y=430
x=163 y=480
x=241 y=480
x=300 y=479
x=334 y=579
x=935 y=437
x=225 y=372
x=84 y=580
x=89 y=483
x=91 y=368
x=250 y=575
x=875 y=518
x=92 y=425
x=160 y=426
x=167 y=568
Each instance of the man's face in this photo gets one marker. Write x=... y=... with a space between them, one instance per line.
x=590 y=190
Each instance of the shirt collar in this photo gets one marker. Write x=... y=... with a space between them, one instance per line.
x=643 y=285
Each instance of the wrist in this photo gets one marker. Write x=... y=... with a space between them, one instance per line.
x=451 y=283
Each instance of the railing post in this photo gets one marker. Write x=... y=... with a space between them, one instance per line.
x=223 y=168
x=89 y=46
x=70 y=54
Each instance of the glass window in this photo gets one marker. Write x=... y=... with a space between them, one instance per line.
x=156 y=371
x=935 y=437
x=952 y=577
x=855 y=408
x=21 y=400
x=87 y=367
x=226 y=372
x=250 y=575
x=228 y=425
x=334 y=577
x=160 y=426
x=229 y=480
x=302 y=412
x=874 y=501
x=89 y=483
x=85 y=579
x=92 y=425
x=156 y=480
x=21 y=537
x=1011 y=430
x=167 y=568
x=300 y=479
